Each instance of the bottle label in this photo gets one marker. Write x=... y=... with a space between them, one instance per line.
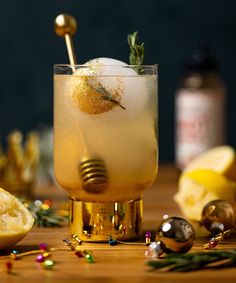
x=199 y=123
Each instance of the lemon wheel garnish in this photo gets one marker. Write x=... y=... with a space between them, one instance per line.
x=221 y=159
x=199 y=187
x=15 y=220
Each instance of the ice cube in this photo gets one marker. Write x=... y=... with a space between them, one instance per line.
x=109 y=89
x=110 y=67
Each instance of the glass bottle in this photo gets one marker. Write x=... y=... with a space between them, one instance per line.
x=199 y=108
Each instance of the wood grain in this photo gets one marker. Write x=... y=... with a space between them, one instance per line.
x=113 y=264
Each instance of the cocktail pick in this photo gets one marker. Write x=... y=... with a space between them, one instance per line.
x=174 y=235
x=92 y=169
x=66 y=26
x=218 y=217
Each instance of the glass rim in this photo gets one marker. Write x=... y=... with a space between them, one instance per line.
x=151 y=70
x=107 y=65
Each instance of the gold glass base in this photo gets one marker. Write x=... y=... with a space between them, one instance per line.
x=93 y=222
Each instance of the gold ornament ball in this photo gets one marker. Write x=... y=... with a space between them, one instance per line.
x=218 y=213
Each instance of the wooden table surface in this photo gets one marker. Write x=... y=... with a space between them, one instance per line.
x=119 y=263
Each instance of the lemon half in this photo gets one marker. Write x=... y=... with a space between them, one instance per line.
x=15 y=220
x=199 y=187
x=221 y=159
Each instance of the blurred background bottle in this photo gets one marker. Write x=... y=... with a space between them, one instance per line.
x=199 y=107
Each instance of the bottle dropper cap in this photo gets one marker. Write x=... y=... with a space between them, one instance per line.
x=201 y=60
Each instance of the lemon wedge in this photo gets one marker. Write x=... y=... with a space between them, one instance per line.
x=15 y=220
x=221 y=159
x=199 y=187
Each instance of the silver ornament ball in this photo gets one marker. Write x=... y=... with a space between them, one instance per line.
x=176 y=234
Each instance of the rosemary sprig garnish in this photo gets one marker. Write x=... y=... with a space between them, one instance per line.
x=195 y=261
x=136 y=56
x=106 y=95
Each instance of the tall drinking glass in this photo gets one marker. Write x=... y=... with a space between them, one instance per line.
x=105 y=146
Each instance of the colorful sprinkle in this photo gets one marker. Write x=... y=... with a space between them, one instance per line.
x=79 y=254
x=89 y=258
x=48 y=202
x=148 y=238
x=112 y=241
x=14 y=254
x=43 y=247
x=47 y=255
x=48 y=264
x=9 y=266
x=45 y=206
x=40 y=258
x=212 y=244
x=148 y=234
x=38 y=203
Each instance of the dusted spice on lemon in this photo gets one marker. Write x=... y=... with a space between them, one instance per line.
x=92 y=98
x=15 y=220
x=199 y=187
x=98 y=86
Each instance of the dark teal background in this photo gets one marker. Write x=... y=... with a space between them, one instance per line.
x=169 y=28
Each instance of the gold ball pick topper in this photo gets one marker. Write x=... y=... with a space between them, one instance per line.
x=65 y=24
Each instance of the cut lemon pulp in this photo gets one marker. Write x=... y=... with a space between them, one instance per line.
x=15 y=220
x=221 y=159
x=199 y=187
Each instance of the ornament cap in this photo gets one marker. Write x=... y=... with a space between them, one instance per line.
x=155 y=249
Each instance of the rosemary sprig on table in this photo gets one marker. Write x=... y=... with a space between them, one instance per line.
x=195 y=261
x=136 y=56
x=45 y=216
